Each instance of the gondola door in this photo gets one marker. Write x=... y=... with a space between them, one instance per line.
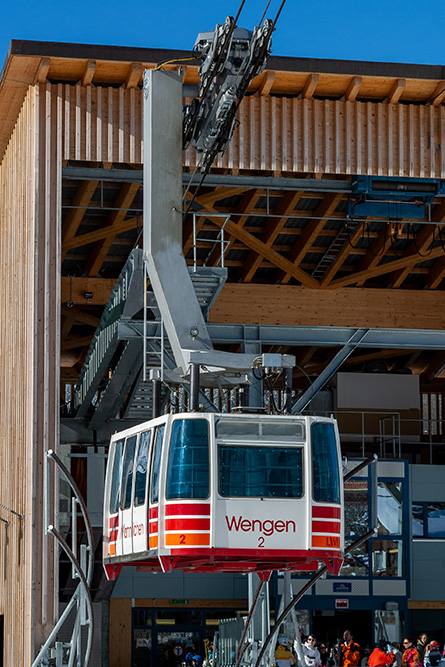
x=141 y=494
x=126 y=508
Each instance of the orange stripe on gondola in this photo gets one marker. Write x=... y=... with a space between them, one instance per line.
x=187 y=524
x=112 y=549
x=326 y=527
x=187 y=539
x=326 y=541
x=187 y=510
x=326 y=512
x=153 y=541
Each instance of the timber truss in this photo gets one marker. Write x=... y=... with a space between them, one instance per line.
x=287 y=241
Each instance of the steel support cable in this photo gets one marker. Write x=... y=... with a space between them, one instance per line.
x=305 y=588
x=242 y=647
x=230 y=117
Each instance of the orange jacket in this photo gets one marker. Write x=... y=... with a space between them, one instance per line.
x=350 y=655
x=378 y=658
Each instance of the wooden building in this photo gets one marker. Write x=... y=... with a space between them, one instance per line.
x=71 y=212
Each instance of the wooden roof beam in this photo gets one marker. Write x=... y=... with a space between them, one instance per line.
x=88 y=73
x=353 y=89
x=207 y=201
x=423 y=241
x=312 y=230
x=341 y=257
x=396 y=91
x=123 y=202
x=99 y=234
x=42 y=70
x=266 y=84
x=434 y=367
x=74 y=216
x=309 y=87
x=268 y=253
x=272 y=230
x=438 y=95
x=436 y=274
x=74 y=289
x=388 y=267
x=246 y=206
x=134 y=75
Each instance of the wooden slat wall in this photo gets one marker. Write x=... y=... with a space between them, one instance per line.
x=274 y=134
x=29 y=276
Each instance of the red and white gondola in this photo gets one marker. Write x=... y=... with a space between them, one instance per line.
x=224 y=493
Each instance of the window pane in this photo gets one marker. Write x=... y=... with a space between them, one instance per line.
x=356 y=563
x=157 y=464
x=188 y=461
x=417 y=520
x=387 y=558
x=260 y=472
x=127 y=472
x=283 y=430
x=116 y=479
x=141 y=469
x=227 y=428
x=356 y=506
x=326 y=480
x=436 y=519
x=389 y=508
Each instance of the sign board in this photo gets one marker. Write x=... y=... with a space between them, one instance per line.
x=178 y=650
x=342 y=587
x=342 y=604
x=180 y=601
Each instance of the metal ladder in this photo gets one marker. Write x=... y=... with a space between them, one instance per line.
x=333 y=251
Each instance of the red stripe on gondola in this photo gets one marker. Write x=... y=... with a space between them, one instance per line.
x=326 y=527
x=187 y=510
x=153 y=527
x=153 y=513
x=113 y=535
x=187 y=524
x=326 y=512
x=114 y=521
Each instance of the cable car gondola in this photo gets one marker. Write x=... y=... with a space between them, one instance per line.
x=224 y=493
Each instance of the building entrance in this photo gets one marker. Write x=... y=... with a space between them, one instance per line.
x=329 y=625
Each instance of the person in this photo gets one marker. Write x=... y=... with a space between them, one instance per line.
x=324 y=653
x=422 y=643
x=380 y=655
x=397 y=653
x=311 y=653
x=411 y=656
x=349 y=651
x=283 y=656
x=432 y=655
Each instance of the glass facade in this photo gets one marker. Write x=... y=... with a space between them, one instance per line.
x=428 y=520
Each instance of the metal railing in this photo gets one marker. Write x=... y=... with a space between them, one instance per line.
x=68 y=654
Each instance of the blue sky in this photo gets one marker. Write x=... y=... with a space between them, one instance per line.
x=382 y=30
